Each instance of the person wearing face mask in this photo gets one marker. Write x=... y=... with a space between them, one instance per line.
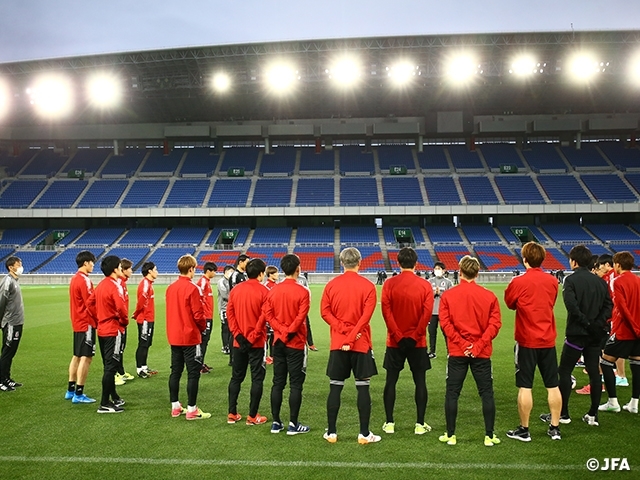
x=223 y=299
x=12 y=320
x=440 y=284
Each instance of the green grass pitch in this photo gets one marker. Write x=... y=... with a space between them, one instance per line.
x=44 y=436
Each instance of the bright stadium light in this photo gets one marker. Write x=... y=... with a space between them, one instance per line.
x=221 y=82
x=345 y=72
x=402 y=73
x=104 y=91
x=462 y=68
x=634 y=70
x=281 y=78
x=583 y=67
x=524 y=66
x=5 y=98
x=51 y=96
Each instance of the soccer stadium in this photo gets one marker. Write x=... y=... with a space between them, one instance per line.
x=452 y=144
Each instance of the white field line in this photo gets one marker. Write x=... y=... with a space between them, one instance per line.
x=282 y=464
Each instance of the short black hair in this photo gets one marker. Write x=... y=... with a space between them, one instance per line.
x=147 y=267
x=210 y=267
x=407 y=257
x=581 y=255
x=109 y=264
x=605 y=258
x=255 y=267
x=227 y=268
x=11 y=261
x=593 y=263
x=289 y=263
x=241 y=258
x=439 y=264
x=85 y=256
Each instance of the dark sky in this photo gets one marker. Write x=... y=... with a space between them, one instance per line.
x=33 y=29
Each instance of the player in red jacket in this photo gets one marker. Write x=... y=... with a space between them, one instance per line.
x=126 y=271
x=624 y=341
x=272 y=277
x=286 y=309
x=145 y=316
x=113 y=319
x=84 y=322
x=533 y=296
x=185 y=324
x=470 y=319
x=407 y=302
x=247 y=325
x=204 y=284
x=347 y=304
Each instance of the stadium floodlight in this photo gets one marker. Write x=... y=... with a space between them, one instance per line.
x=461 y=68
x=525 y=65
x=5 y=98
x=221 y=82
x=104 y=90
x=52 y=96
x=402 y=73
x=281 y=77
x=634 y=70
x=583 y=67
x=345 y=72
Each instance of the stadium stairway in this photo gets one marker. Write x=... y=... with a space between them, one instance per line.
x=125 y=192
x=336 y=190
x=46 y=187
x=252 y=188
x=292 y=242
x=181 y=163
x=383 y=249
x=207 y=195
x=628 y=184
x=496 y=190
x=584 y=187
x=380 y=191
x=246 y=245
x=538 y=186
x=336 y=250
x=172 y=180
x=456 y=182
x=294 y=191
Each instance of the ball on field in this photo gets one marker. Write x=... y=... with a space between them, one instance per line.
x=573 y=382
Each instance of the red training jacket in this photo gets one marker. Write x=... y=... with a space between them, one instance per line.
x=286 y=309
x=145 y=308
x=204 y=284
x=269 y=284
x=244 y=312
x=82 y=303
x=625 y=320
x=347 y=304
x=111 y=309
x=407 y=303
x=185 y=316
x=469 y=315
x=533 y=295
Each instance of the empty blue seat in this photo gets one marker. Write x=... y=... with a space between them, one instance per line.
x=46 y=163
x=464 y=159
x=443 y=234
x=99 y=236
x=271 y=235
x=310 y=161
x=621 y=156
x=481 y=234
x=142 y=236
x=135 y=254
x=272 y=192
x=315 y=191
x=199 y=162
x=441 y=191
x=518 y=189
x=65 y=262
x=31 y=260
x=614 y=233
x=240 y=157
x=401 y=191
x=21 y=193
x=18 y=236
x=587 y=157
x=187 y=193
x=88 y=159
x=496 y=154
x=124 y=165
x=358 y=191
x=61 y=194
x=543 y=156
x=389 y=156
x=145 y=193
x=563 y=189
x=160 y=164
x=185 y=236
x=478 y=190
x=230 y=192
x=608 y=188
x=567 y=232
x=359 y=235
x=306 y=235
x=354 y=160
x=433 y=158
x=166 y=258
x=103 y=194
x=281 y=161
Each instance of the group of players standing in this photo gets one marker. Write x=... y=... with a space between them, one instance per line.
x=603 y=325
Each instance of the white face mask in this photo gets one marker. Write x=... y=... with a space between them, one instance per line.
x=19 y=270
x=438 y=272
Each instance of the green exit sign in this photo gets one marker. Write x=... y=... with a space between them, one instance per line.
x=398 y=170
x=507 y=168
x=235 y=172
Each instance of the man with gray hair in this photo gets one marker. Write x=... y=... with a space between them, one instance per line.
x=347 y=304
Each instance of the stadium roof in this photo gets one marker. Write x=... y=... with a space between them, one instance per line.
x=175 y=85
